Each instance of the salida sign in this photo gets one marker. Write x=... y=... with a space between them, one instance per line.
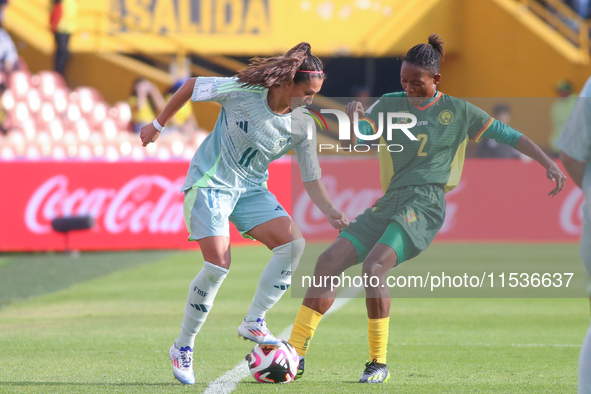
x=193 y=16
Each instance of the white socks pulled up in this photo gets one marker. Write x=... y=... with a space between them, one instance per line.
x=276 y=278
x=200 y=301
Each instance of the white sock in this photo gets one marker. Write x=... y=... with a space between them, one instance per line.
x=199 y=302
x=585 y=365
x=276 y=278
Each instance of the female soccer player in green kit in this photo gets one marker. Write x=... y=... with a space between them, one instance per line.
x=403 y=222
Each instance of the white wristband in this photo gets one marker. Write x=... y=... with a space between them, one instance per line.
x=157 y=125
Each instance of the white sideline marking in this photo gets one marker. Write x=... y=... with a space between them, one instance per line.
x=227 y=383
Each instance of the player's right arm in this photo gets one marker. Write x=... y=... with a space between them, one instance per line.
x=149 y=133
x=366 y=120
x=197 y=89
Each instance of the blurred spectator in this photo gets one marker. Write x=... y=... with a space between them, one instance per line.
x=8 y=54
x=145 y=101
x=184 y=121
x=560 y=111
x=62 y=21
x=489 y=148
x=3 y=4
x=363 y=94
x=581 y=7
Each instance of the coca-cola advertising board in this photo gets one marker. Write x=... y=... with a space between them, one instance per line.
x=134 y=205
x=139 y=206
x=497 y=200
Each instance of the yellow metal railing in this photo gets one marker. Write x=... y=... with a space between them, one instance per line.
x=564 y=19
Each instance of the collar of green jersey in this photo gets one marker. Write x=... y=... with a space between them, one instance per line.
x=431 y=101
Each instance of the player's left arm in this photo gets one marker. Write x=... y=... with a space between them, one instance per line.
x=310 y=168
x=482 y=125
x=529 y=148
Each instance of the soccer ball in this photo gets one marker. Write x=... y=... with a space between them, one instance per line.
x=273 y=365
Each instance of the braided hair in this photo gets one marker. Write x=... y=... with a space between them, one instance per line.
x=427 y=56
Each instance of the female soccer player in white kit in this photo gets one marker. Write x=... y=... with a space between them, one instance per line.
x=575 y=153
x=227 y=182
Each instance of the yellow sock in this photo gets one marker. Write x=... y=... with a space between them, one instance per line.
x=377 y=332
x=303 y=329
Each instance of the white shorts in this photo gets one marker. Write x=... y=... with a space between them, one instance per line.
x=208 y=211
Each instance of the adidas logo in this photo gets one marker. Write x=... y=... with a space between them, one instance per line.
x=243 y=125
x=279 y=208
x=199 y=307
x=281 y=287
x=378 y=376
x=257 y=332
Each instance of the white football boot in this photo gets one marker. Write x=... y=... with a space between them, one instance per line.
x=182 y=364
x=257 y=331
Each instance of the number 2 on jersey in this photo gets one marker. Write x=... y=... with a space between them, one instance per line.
x=423 y=138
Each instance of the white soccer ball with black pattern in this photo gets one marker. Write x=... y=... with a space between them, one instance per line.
x=273 y=365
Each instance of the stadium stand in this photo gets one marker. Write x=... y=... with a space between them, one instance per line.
x=47 y=120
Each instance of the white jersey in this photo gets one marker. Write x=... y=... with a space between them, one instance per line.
x=575 y=139
x=247 y=137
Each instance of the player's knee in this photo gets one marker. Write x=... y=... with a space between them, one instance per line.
x=376 y=267
x=327 y=263
x=291 y=252
x=220 y=262
x=297 y=248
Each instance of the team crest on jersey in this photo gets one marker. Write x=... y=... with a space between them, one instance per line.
x=280 y=144
x=402 y=120
x=410 y=216
x=446 y=117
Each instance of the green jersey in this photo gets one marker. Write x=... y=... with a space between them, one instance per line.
x=444 y=126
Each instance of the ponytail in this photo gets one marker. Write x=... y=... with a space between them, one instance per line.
x=427 y=56
x=297 y=65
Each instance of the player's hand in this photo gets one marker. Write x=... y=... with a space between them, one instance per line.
x=337 y=219
x=352 y=107
x=555 y=175
x=149 y=134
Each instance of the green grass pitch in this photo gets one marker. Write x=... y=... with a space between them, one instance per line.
x=104 y=323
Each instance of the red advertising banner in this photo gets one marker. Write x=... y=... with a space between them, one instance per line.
x=497 y=200
x=135 y=205
x=139 y=206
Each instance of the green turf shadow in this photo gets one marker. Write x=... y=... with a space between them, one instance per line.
x=28 y=275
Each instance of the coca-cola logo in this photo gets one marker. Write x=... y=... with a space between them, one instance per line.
x=353 y=202
x=571 y=212
x=349 y=200
x=146 y=203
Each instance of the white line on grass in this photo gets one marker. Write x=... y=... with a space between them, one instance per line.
x=227 y=383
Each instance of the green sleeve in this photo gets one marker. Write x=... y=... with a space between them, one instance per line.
x=478 y=121
x=502 y=133
x=482 y=125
